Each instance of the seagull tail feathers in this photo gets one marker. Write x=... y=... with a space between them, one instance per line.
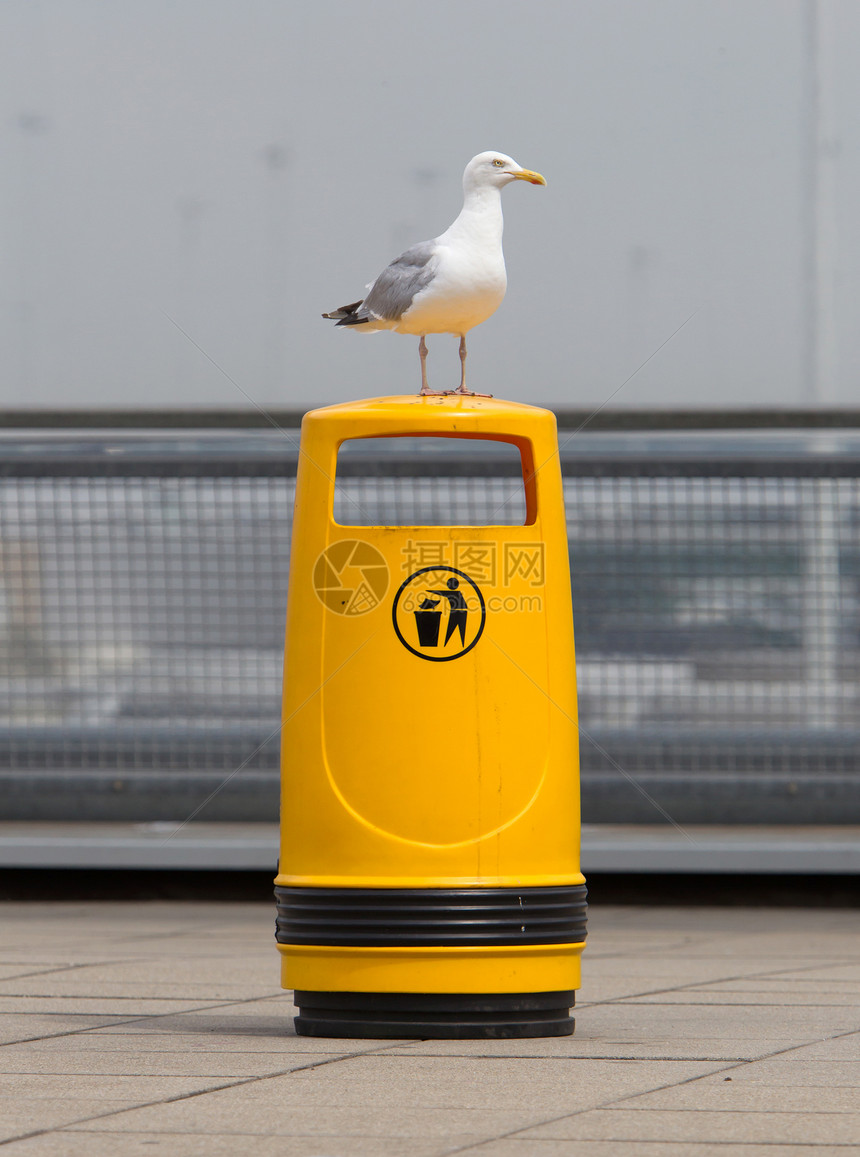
x=346 y=315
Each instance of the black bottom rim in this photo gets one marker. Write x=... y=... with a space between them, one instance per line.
x=445 y=1016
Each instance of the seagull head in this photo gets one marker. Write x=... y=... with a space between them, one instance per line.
x=496 y=170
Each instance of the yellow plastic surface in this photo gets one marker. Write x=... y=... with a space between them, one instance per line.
x=532 y=968
x=402 y=772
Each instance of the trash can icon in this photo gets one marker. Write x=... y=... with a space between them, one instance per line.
x=429 y=882
x=427 y=621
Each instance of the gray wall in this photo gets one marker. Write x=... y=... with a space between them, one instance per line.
x=241 y=167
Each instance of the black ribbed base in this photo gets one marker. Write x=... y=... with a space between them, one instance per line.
x=425 y=917
x=385 y=1015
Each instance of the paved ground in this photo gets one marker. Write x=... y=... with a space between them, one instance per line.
x=700 y=1031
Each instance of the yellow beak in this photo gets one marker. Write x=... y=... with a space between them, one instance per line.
x=531 y=177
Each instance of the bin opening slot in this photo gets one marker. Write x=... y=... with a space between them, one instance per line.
x=434 y=480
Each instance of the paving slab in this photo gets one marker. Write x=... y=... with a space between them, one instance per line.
x=139 y=1087
x=844 y=1047
x=573 y=1148
x=602 y=1047
x=96 y=1057
x=20 y=1115
x=160 y=1026
x=13 y=971
x=111 y=1004
x=748 y=1096
x=800 y=1071
x=710 y=1127
x=219 y=1113
x=715 y=1018
x=81 y=1143
x=218 y=1038
x=760 y=996
x=40 y=1026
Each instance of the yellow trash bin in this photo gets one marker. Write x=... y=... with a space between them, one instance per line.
x=429 y=881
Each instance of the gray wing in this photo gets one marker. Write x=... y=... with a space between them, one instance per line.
x=397 y=285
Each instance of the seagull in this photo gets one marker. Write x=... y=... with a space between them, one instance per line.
x=452 y=283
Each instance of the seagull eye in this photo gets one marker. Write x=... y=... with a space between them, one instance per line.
x=499 y=164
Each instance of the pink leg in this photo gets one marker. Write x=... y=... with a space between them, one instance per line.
x=461 y=389
x=422 y=353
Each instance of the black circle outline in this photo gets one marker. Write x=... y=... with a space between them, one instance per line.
x=439 y=658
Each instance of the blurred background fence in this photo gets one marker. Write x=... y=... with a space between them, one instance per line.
x=143 y=580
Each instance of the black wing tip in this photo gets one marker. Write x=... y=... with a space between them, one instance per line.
x=345 y=315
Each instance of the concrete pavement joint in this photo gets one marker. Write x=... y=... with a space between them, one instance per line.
x=72 y=1031
x=55 y=970
x=239 y=1083
x=593 y=1108
x=646 y=1092
x=697 y=985
x=131 y=1020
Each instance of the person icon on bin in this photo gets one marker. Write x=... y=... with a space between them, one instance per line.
x=428 y=619
x=421 y=610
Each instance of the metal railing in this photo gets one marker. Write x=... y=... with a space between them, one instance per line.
x=715 y=579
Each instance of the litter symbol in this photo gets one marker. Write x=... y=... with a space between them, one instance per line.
x=436 y=597
x=350 y=577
